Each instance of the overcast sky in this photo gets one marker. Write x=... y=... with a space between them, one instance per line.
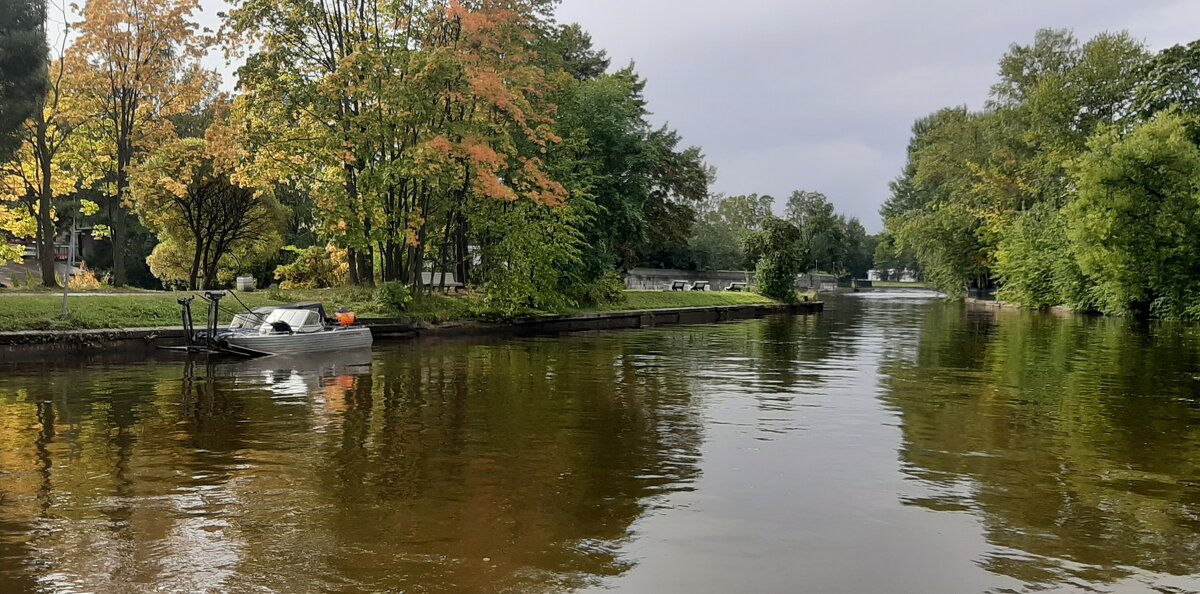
x=820 y=94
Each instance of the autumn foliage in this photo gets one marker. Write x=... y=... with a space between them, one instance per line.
x=444 y=136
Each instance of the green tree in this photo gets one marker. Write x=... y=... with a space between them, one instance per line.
x=1034 y=264
x=148 y=56
x=1135 y=220
x=971 y=175
x=860 y=249
x=820 y=231
x=679 y=182
x=209 y=227
x=24 y=60
x=568 y=48
x=780 y=254
x=395 y=117
x=1171 y=77
x=530 y=248
x=723 y=224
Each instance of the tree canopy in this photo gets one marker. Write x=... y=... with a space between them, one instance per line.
x=23 y=67
x=481 y=139
x=1074 y=186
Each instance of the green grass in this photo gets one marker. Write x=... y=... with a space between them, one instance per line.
x=151 y=309
x=635 y=300
x=42 y=312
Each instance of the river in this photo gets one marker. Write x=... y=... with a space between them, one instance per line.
x=894 y=443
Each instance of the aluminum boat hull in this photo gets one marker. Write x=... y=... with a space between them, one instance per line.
x=326 y=341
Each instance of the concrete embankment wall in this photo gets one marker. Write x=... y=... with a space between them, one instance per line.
x=657 y=279
x=140 y=343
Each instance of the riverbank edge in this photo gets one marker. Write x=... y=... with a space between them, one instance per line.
x=1058 y=310
x=33 y=344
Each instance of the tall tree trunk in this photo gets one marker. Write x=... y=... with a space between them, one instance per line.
x=46 y=251
x=352 y=260
x=390 y=254
x=195 y=271
x=422 y=237
x=366 y=267
x=462 y=269
x=117 y=210
x=205 y=275
x=445 y=263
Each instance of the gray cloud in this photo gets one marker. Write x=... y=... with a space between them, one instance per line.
x=820 y=94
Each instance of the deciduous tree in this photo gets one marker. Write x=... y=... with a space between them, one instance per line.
x=23 y=67
x=208 y=226
x=780 y=253
x=1135 y=221
x=147 y=53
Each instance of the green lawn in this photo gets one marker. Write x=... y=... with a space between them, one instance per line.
x=42 y=312
x=666 y=299
x=149 y=310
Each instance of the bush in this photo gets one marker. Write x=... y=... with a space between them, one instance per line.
x=393 y=296
x=315 y=267
x=609 y=288
x=780 y=259
x=775 y=279
x=85 y=279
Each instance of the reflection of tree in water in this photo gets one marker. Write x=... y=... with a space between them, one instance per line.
x=505 y=467
x=451 y=467
x=1077 y=441
x=134 y=468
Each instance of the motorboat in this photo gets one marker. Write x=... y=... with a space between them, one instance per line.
x=295 y=332
x=295 y=329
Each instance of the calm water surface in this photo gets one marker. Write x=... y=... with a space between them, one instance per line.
x=892 y=444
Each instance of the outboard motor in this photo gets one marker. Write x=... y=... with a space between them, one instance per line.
x=189 y=331
x=214 y=313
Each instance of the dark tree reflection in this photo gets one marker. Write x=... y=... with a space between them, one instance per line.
x=1075 y=440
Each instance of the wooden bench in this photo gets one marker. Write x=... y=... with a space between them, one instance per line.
x=700 y=286
x=736 y=287
x=679 y=285
x=435 y=281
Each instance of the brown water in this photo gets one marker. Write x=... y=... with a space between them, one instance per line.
x=889 y=445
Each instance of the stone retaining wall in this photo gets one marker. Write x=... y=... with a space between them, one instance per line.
x=142 y=343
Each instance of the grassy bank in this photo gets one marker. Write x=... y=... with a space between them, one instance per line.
x=635 y=300
x=149 y=310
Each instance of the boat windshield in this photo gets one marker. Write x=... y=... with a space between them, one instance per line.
x=298 y=320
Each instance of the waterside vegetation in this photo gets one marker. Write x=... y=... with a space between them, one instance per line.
x=159 y=310
x=1077 y=185
x=367 y=143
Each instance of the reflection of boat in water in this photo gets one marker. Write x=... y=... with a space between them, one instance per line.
x=323 y=382
x=296 y=329
x=355 y=361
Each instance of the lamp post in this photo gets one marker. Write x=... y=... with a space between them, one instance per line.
x=71 y=249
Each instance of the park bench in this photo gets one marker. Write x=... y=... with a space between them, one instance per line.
x=434 y=281
x=736 y=286
x=700 y=286
x=679 y=285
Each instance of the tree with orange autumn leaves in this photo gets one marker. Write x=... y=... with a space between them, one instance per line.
x=431 y=136
x=399 y=119
x=50 y=161
x=474 y=137
x=121 y=68
x=146 y=58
